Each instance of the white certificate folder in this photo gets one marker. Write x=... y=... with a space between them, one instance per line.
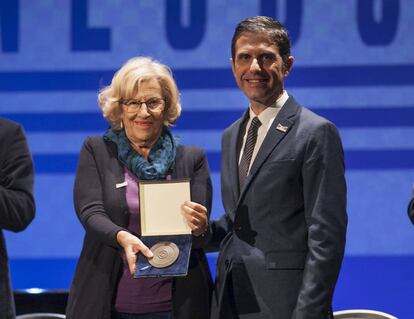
x=164 y=228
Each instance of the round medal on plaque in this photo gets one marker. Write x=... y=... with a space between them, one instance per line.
x=165 y=254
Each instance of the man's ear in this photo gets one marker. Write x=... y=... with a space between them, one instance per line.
x=287 y=66
x=232 y=64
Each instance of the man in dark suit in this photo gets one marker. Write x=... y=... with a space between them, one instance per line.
x=282 y=236
x=17 y=207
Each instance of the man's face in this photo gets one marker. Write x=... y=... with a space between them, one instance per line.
x=258 y=68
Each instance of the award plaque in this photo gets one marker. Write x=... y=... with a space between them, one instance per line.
x=164 y=228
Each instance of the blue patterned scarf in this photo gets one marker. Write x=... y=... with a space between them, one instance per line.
x=160 y=159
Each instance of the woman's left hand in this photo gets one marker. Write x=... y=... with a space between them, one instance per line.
x=196 y=216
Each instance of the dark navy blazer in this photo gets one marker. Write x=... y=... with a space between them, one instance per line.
x=282 y=236
x=17 y=207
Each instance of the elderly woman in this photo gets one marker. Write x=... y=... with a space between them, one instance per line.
x=141 y=103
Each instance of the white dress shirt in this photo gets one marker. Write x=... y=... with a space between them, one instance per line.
x=266 y=118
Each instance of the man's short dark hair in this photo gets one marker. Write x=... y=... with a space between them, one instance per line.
x=276 y=32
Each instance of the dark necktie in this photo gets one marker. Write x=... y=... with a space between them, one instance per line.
x=248 y=150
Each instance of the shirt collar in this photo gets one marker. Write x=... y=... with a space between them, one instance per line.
x=271 y=111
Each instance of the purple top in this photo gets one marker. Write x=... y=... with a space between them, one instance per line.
x=143 y=295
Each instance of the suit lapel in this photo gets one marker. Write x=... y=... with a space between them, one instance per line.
x=236 y=140
x=119 y=178
x=280 y=127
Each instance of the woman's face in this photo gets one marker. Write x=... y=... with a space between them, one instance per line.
x=143 y=115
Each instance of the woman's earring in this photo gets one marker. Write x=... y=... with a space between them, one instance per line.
x=122 y=125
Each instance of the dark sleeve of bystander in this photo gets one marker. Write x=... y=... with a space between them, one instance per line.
x=17 y=208
x=410 y=209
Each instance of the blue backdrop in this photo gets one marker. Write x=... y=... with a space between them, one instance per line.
x=354 y=65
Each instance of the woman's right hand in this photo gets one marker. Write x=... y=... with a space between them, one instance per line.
x=132 y=245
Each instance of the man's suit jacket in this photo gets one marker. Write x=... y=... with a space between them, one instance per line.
x=17 y=207
x=282 y=236
x=103 y=211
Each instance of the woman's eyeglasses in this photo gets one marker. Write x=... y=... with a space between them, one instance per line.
x=153 y=104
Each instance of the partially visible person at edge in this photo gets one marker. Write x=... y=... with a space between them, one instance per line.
x=410 y=208
x=17 y=207
x=141 y=104
x=282 y=235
